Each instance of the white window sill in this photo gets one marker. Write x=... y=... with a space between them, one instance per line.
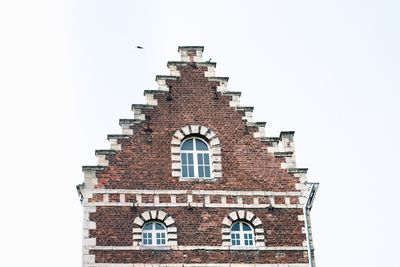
x=243 y=248
x=197 y=179
x=154 y=247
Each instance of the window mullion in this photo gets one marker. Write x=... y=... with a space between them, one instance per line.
x=195 y=164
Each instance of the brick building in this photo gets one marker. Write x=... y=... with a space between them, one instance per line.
x=193 y=181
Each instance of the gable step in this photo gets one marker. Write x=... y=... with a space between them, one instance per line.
x=166 y=77
x=141 y=106
x=245 y=108
x=297 y=170
x=260 y=123
x=145 y=92
x=232 y=93
x=283 y=154
x=270 y=139
x=117 y=136
x=93 y=168
x=129 y=121
x=105 y=152
x=184 y=63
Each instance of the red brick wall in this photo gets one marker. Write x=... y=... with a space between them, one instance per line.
x=245 y=161
x=246 y=166
x=200 y=256
x=196 y=226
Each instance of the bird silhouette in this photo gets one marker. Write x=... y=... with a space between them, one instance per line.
x=139 y=47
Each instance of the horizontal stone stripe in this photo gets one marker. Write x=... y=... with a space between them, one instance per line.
x=298 y=248
x=195 y=192
x=195 y=205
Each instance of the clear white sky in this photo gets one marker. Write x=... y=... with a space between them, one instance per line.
x=327 y=69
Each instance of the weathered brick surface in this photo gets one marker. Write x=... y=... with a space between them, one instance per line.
x=245 y=161
x=144 y=163
x=197 y=226
x=200 y=256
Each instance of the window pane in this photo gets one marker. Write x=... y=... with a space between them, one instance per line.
x=147 y=239
x=248 y=239
x=207 y=171
x=201 y=171
x=159 y=226
x=148 y=226
x=190 y=158
x=206 y=158
x=235 y=227
x=184 y=158
x=187 y=145
x=200 y=145
x=246 y=227
x=200 y=159
x=235 y=239
x=191 y=171
x=184 y=171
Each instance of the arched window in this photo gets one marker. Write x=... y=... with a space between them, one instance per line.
x=242 y=234
x=154 y=234
x=195 y=158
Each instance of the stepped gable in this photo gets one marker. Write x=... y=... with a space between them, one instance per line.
x=192 y=99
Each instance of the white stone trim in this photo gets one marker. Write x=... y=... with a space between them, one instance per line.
x=194 y=205
x=191 y=54
x=88 y=242
x=283 y=248
x=214 y=145
x=150 y=100
x=197 y=192
x=173 y=70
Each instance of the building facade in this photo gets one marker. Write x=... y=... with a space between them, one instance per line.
x=193 y=181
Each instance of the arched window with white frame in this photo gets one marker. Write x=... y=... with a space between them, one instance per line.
x=195 y=158
x=242 y=235
x=154 y=234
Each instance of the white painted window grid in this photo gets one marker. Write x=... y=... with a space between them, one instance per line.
x=195 y=162
x=154 y=234
x=242 y=235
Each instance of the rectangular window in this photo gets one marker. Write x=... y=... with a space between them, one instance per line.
x=235 y=239
x=248 y=239
x=147 y=239
x=160 y=238
x=187 y=165
x=203 y=163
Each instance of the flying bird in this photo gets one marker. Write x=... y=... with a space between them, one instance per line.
x=139 y=47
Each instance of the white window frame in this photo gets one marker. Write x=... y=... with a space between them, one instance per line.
x=242 y=233
x=154 y=233
x=195 y=153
